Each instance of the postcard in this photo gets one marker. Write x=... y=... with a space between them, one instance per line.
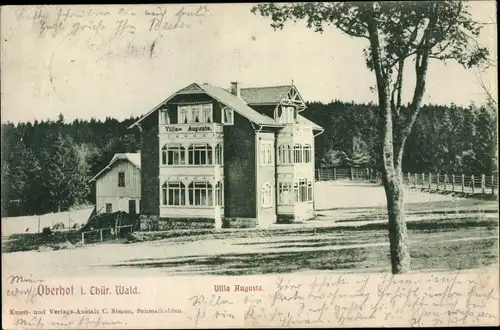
x=288 y=165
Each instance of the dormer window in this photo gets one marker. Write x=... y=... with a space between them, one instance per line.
x=286 y=114
x=200 y=113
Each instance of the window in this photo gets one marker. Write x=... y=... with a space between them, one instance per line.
x=286 y=114
x=109 y=208
x=218 y=154
x=200 y=154
x=184 y=115
x=285 y=154
x=195 y=113
x=309 y=191
x=266 y=153
x=174 y=193
x=227 y=116
x=303 y=191
x=121 y=179
x=200 y=194
x=206 y=116
x=297 y=153
x=219 y=199
x=266 y=195
x=307 y=153
x=173 y=154
x=164 y=117
x=285 y=196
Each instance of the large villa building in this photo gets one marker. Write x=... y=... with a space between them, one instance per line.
x=241 y=157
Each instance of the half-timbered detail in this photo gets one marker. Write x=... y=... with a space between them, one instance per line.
x=236 y=157
x=118 y=185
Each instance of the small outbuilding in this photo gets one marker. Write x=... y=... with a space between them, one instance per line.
x=118 y=185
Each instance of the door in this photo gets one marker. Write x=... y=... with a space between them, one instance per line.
x=131 y=206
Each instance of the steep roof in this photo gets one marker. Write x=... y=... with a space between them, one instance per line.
x=304 y=121
x=134 y=158
x=265 y=95
x=223 y=96
x=238 y=105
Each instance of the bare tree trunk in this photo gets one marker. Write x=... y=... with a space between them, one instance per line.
x=392 y=176
x=398 y=236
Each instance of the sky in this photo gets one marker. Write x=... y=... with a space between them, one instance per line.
x=121 y=61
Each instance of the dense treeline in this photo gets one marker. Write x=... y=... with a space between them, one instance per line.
x=46 y=165
x=445 y=139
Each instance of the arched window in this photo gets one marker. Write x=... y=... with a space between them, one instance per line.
x=174 y=193
x=218 y=154
x=219 y=199
x=266 y=195
x=173 y=154
x=285 y=193
x=307 y=153
x=288 y=154
x=199 y=154
x=200 y=194
x=298 y=153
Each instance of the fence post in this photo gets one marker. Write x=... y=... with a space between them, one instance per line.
x=483 y=183
x=473 y=183
x=492 y=184
x=416 y=179
x=463 y=183
x=453 y=182
x=423 y=180
x=100 y=231
x=437 y=182
x=83 y=238
x=39 y=224
x=430 y=180
x=334 y=173
x=352 y=175
x=445 y=181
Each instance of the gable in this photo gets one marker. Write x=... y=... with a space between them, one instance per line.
x=193 y=88
x=224 y=97
x=132 y=158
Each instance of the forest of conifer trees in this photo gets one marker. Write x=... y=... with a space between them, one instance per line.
x=46 y=165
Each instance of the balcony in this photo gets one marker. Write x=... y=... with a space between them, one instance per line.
x=191 y=128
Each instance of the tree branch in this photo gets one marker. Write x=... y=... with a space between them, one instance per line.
x=421 y=65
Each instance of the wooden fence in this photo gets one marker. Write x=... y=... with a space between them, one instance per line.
x=354 y=174
x=467 y=184
x=101 y=234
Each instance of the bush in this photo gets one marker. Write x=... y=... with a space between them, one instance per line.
x=46 y=232
x=58 y=226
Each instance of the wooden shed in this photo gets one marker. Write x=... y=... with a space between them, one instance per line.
x=118 y=185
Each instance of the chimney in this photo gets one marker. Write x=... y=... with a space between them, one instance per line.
x=235 y=88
